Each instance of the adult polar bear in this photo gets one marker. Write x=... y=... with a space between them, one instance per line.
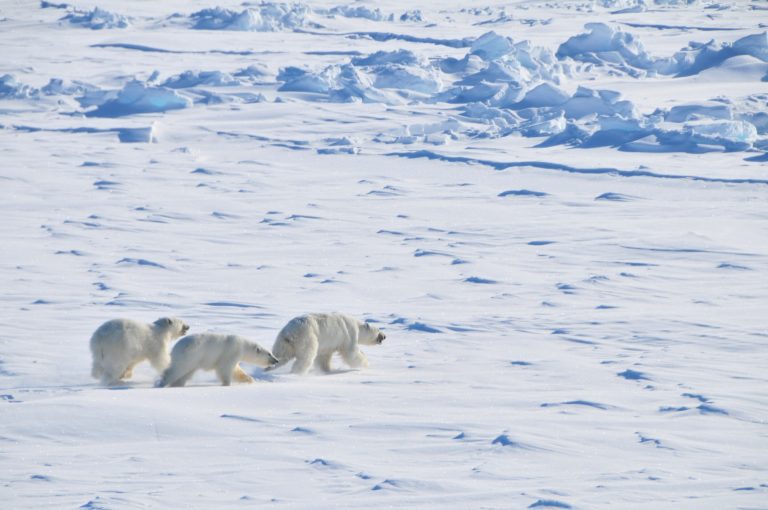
x=119 y=345
x=315 y=337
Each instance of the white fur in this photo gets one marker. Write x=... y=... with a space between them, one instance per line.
x=120 y=344
x=315 y=337
x=212 y=351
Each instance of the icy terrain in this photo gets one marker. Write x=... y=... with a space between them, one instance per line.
x=556 y=211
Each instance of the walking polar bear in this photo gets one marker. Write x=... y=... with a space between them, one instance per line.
x=119 y=345
x=212 y=351
x=315 y=337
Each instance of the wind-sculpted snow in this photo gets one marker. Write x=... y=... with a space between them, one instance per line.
x=503 y=165
x=560 y=230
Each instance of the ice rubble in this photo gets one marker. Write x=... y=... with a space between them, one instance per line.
x=264 y=17
x=12 y=89
x=275 y=16
x=199 y=78
x=504 y=87
x=384 y=77
x=135 y=97
x=96 y=19
x=360 y=11
x=603 y=44
x=517 y=88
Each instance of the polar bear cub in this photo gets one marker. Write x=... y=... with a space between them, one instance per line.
x=212 y=351
x=120 y=344
x=315 y=337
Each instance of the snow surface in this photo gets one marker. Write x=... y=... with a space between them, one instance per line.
x=557 y=212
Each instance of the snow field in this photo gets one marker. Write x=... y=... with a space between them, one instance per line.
x=574 y=316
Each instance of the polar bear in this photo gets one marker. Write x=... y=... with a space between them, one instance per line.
x=120 y=344
x=212 y=351
x=315 y=337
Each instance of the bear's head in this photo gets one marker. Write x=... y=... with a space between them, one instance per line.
x=258 y=355
x=171 y=325
x=370 y=335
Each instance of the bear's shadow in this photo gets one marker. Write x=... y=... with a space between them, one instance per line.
x=261 y=375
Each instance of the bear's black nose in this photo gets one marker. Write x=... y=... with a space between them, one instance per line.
x=381 y=337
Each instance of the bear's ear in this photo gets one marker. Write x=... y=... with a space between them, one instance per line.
x=164 y=321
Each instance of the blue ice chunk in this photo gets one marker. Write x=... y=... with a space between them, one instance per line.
x=137 y=97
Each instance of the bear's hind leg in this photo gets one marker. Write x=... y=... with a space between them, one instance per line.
x=323 y=362
x=305 y=356
x=177 y=374
x=112 y=374
x=174 y=378
x=128 y=372
x=96 y=371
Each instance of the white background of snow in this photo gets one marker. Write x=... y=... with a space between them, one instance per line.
x=669 y=283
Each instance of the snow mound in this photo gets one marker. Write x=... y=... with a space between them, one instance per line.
x=733 y=135
x=701 y=56
x=404 y=57
x=137 y=97
x=253 y=72
x=97 y=19
x=265 y=17
x=197 y=78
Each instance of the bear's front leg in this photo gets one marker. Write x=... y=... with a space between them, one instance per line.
x=160 y=361
x=240 y=375
x=354 y=357
x=323 y=362
x=305 y=357
x=226 y=369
